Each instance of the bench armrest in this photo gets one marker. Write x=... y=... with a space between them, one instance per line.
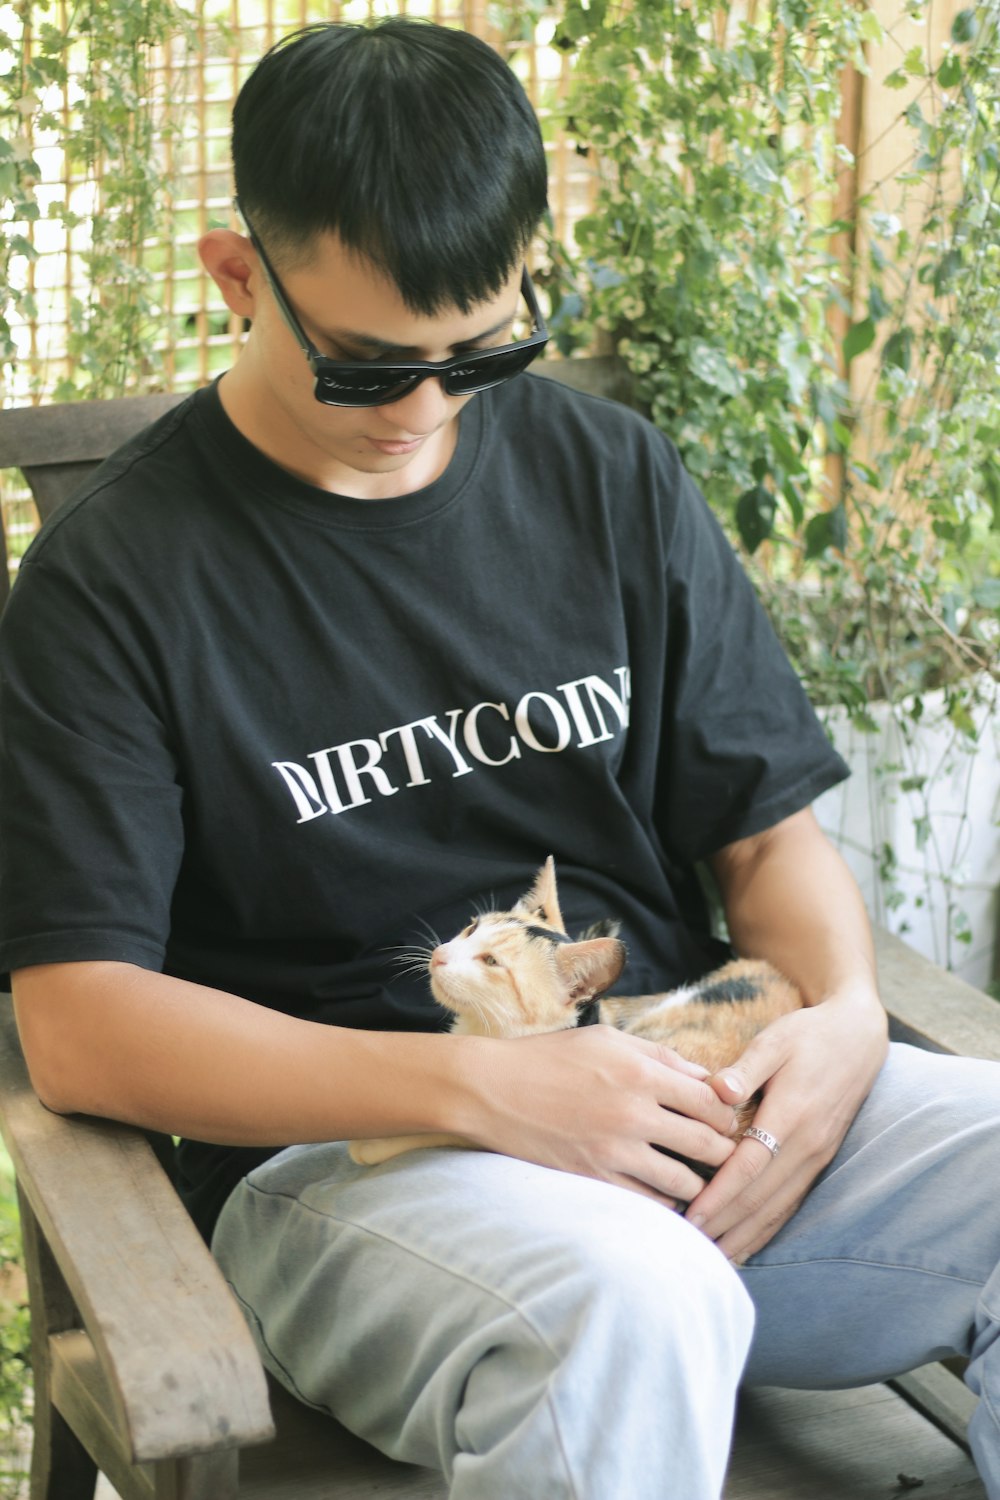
x=931 y=1007
x=176 y=1356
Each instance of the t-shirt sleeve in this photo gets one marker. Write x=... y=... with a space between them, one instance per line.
x=742 y=747
x=90 y=800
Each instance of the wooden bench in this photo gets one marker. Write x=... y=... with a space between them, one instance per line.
x=144 y=1368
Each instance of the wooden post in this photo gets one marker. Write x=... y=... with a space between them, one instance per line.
x=61 y=1468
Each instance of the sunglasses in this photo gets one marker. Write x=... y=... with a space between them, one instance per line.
x=372 y=383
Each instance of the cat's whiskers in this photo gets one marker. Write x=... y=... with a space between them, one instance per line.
x=410 y=958
x=434 y=939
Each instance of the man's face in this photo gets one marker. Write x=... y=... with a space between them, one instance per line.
x=351 y=311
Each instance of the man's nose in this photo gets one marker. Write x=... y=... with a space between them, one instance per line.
x=423 y=410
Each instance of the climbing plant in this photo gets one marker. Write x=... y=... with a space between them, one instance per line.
x=828 y=362
x=83 y=77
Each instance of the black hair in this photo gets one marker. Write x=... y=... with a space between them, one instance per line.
x=414 y=142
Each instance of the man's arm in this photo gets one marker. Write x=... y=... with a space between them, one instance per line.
x=115 y=1040
x=790 y=898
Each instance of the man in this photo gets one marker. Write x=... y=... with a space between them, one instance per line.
x=293 y=680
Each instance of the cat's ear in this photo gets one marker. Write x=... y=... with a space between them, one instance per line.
x=541 y=903
x=590 y=968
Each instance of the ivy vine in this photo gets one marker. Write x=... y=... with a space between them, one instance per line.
x=745 y=295
x=113 y=137
x=711 y=258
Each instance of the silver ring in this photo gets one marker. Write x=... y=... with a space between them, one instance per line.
x=756 y=1134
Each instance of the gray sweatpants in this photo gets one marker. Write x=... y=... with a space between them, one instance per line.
x=532 y=1333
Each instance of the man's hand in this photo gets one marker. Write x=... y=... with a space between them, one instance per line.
x=816 y=1067
x=596 y=1102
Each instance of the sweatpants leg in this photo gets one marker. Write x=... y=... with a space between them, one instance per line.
x=529 y=1332
x=894 y=1258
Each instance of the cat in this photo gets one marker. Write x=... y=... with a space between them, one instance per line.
x=517 y=973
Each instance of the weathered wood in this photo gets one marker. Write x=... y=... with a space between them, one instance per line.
x=61 y=1466
x=933 y=1008
x=57 y=447
x=76 y=431
x=81 y=1391
x=600 y=375
x=150 y=1296
x=942 y=1397
x=842 y=1445
x=317 y=1459
x=210 y=1476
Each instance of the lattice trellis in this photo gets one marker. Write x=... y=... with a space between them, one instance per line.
x=196 y=85
x=199 y=83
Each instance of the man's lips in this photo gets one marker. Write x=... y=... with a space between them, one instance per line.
x=396 y=446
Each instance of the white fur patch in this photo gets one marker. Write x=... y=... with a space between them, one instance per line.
x=675 y=998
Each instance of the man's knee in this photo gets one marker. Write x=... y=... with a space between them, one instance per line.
x=650 y=1279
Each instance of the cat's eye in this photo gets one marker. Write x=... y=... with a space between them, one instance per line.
x=488 y=960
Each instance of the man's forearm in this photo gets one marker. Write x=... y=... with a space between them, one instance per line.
x=124 y=1042
x=109 y=1039
x=790 y=898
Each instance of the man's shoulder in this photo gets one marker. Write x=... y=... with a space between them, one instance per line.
x=149 y=472
x=560 y=409
x=589 y=388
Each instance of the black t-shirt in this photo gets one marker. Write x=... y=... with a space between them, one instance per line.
x=259 y=736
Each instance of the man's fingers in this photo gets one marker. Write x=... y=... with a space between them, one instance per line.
x=759 y=1062
x=666 y=1055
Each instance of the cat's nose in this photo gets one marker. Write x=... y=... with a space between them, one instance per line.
x=438 y=958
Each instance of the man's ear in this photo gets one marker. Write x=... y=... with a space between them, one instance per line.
x=231 y=261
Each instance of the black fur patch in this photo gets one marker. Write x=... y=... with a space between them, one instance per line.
x=589 y=1014
x=728 y=990
x=547 y=933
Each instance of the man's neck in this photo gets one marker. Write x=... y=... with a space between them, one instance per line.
x=296 y=450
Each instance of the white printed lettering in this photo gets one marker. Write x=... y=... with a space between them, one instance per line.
x=596 y=688
x=352 y=774
x=411 y=754
x=303 y=788
x=462 y=767
x=523 y=724
x=351 y=771
x=475 y=745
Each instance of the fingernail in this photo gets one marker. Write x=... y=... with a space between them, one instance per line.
x=732 y=1082
x=697 y=1220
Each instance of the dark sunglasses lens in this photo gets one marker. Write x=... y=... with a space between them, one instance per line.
x=488 y=369
x=362 y=387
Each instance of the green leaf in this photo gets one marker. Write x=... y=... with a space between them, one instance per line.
x=962 y=719
x=946 y=271
x=950 y=72
x=987 y=593
x=878 y=307
x=870 y=28
x=965 y=27
x=898 y=350
x=860 y=337
x=755 y=510
x=914 y=62
x=711 y=364
x=827 y=530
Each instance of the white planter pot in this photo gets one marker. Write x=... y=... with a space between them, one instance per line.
x=919 y=825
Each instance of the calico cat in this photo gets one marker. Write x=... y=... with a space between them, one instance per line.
x=516 y=973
